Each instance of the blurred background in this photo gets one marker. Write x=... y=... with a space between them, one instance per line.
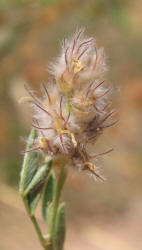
x=99 y=216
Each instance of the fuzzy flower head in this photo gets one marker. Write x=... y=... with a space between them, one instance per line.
x=74 y=110
x=80 y=61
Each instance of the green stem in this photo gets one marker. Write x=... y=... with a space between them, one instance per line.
x=56 y=198
x=34 y=221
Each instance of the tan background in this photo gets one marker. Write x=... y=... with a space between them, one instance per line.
x=99 y=216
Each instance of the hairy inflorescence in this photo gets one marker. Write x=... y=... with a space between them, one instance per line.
x=74 y=108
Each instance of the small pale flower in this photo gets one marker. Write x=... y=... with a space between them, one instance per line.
x=54 y=135
x=80 y=61
x=89 y=101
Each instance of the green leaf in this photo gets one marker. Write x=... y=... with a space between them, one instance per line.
x=39 y=176
x=30 y=163
x=48 y=195
x=33 y=199
x=60 y=227
x=33 y=191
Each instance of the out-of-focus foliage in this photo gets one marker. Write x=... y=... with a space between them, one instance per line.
x=30 y=35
